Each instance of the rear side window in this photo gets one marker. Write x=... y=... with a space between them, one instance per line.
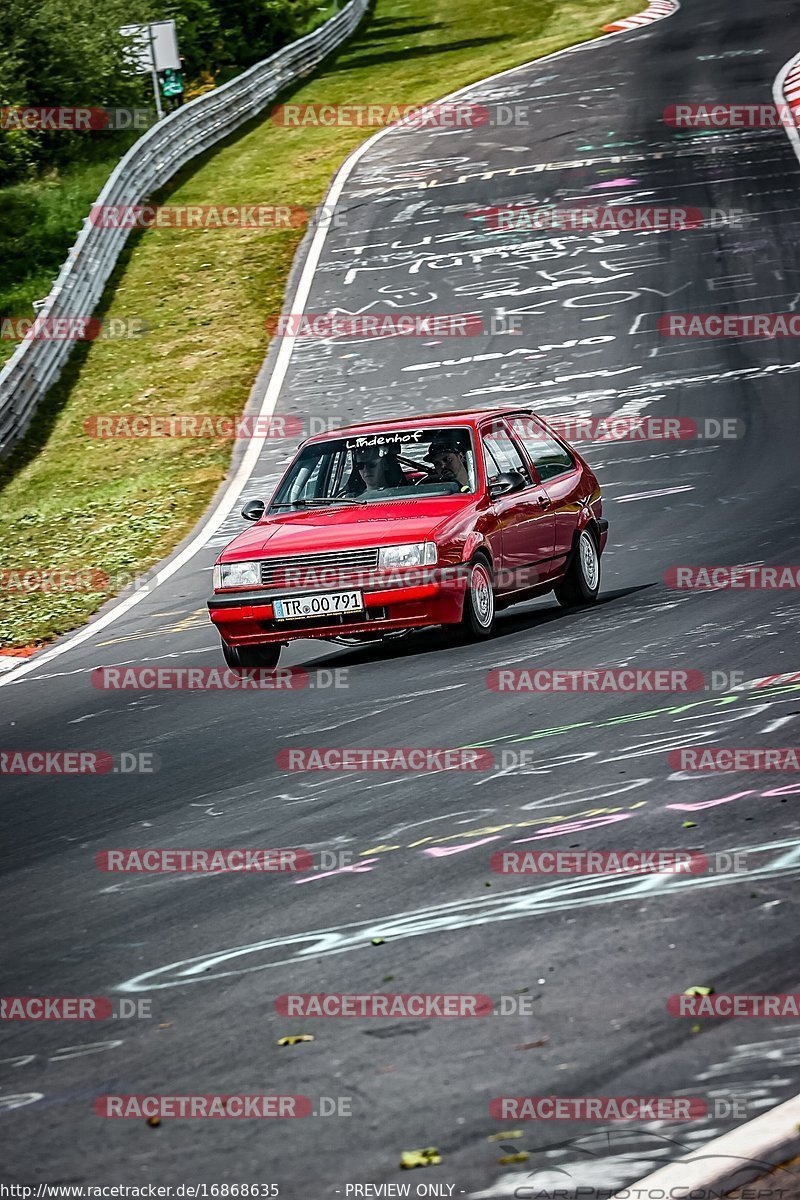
x=502 y=455
x=548 y=456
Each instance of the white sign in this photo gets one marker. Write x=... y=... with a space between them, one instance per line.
x=152 y=47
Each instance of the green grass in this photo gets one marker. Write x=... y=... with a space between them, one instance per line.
x=40 y=218
x=39 y=221
x=72 y=502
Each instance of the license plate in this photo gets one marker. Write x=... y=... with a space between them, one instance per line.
x=300 y=608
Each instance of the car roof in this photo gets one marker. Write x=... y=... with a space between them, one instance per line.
x=466 y=416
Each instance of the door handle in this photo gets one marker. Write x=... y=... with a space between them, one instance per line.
x=543 y=500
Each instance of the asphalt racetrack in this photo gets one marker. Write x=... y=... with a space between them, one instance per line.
x=412 y=904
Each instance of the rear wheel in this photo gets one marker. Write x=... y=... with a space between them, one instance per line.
x=479 y=606
x=581 y=583
x=249 y=658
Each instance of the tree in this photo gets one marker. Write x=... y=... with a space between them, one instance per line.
x=62 y=53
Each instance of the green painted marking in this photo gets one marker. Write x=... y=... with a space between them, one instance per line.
x=749 y=696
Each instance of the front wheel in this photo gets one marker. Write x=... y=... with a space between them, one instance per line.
x=479 y=607
x=581 y=583
x=249 y=658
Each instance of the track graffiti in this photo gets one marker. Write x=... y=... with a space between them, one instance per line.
x=783 y=859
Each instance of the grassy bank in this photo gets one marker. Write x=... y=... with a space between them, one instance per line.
x=73 y=502
x=40 y=217
x=39 y=221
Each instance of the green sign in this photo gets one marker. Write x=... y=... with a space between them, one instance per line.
x=172 y=83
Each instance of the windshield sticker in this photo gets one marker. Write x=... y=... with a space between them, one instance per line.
x=385 y=439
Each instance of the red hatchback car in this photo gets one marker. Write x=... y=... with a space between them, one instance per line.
x=380 y=528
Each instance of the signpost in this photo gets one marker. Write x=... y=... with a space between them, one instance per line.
x=153 y=48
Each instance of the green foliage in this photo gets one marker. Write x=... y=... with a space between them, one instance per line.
x=63 y=52
x=215 y=35
x=70 y=52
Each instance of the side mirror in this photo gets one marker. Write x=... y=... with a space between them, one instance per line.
x=506 y=483
x=254 y=510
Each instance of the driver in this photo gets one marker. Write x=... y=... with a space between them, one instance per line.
x=373 y=471
x=449 y=458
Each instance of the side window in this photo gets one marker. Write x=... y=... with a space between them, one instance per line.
x=305 y=483
x=319 y=476
x=549 y=458
x=502 y=455
x=331 y=482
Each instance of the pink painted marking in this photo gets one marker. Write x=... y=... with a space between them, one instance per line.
x=770 y=679
x=612 y=183
x=709 y=803
x=443 y=851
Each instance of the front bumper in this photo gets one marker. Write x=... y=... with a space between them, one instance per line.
x=248 y=618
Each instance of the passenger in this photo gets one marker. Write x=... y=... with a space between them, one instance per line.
x=449 y=458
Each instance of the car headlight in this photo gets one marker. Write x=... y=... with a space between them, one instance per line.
x=416 y=554
x=237 y=574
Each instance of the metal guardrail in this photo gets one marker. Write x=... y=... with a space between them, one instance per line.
x=37 y=363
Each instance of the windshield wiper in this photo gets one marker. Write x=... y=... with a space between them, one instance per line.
x=318 y=501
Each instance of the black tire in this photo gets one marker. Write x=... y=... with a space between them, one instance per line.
x=478 y=618
x=581 y=583
x=250 y=658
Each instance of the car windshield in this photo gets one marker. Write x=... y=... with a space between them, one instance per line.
x=371 y=468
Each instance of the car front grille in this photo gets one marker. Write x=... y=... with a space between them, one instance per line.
x=326 y=569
